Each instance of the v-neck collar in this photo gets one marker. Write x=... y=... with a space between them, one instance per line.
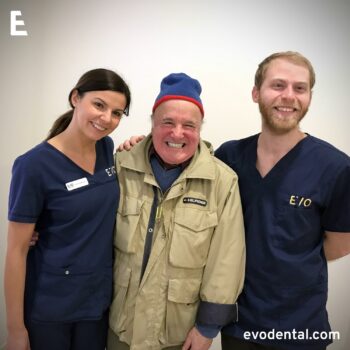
x=280 y=165
x=64 y=156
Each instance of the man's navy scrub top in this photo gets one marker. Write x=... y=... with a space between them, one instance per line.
x=286 y=214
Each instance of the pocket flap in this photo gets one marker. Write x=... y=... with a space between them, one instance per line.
x=129 y=206
x=122 y=277
x=66 y=271
x=184 y=291
x=196 y=220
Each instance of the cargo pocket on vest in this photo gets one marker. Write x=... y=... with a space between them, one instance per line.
x=181 y=310
x=117 y=314
x=128 y=216
x=191 y=237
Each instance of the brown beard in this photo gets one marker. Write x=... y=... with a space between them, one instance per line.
x=280 y=126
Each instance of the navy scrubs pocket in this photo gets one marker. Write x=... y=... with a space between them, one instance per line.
x=296 y=220
x=69 y=294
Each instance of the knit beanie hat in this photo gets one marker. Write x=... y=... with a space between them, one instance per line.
x=179 y=86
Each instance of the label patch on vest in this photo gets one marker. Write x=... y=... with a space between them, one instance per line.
x=197 y=201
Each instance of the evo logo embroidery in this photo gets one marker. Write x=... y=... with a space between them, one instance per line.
x=197 y=201
x=299 y=201
x=73 y=185
x=110 y=171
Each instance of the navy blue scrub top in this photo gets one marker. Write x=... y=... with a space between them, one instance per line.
x=69 y=271
x=286 y=213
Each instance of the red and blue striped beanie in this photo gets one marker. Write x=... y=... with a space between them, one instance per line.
x=179 y=86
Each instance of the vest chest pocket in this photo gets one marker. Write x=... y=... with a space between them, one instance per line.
x=191 y=237
x=128 y=216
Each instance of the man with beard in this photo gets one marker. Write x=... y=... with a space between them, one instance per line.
x=295 y=193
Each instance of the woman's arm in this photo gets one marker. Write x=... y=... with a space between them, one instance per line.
x=19 y=235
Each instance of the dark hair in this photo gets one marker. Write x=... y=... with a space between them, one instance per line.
x=94 y=80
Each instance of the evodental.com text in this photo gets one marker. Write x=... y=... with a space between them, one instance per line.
x=291 y=335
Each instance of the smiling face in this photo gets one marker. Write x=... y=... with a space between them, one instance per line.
x=176 y=128
x=284 y=96
x=97 y=113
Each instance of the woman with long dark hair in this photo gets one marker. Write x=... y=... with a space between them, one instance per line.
x=58 y=293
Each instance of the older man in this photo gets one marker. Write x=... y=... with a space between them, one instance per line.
x=179 y=244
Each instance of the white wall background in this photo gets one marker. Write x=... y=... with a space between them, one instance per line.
x=220 y=42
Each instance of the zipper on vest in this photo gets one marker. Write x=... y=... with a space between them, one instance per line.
x=159 y=212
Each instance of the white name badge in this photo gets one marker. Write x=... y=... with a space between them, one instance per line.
x=73 y=185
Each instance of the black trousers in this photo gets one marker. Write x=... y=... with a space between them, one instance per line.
x=82 y=335
x=231 y=343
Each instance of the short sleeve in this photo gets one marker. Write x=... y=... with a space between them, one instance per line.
x=336 y=216
x=26 y=197
x=110 y=144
